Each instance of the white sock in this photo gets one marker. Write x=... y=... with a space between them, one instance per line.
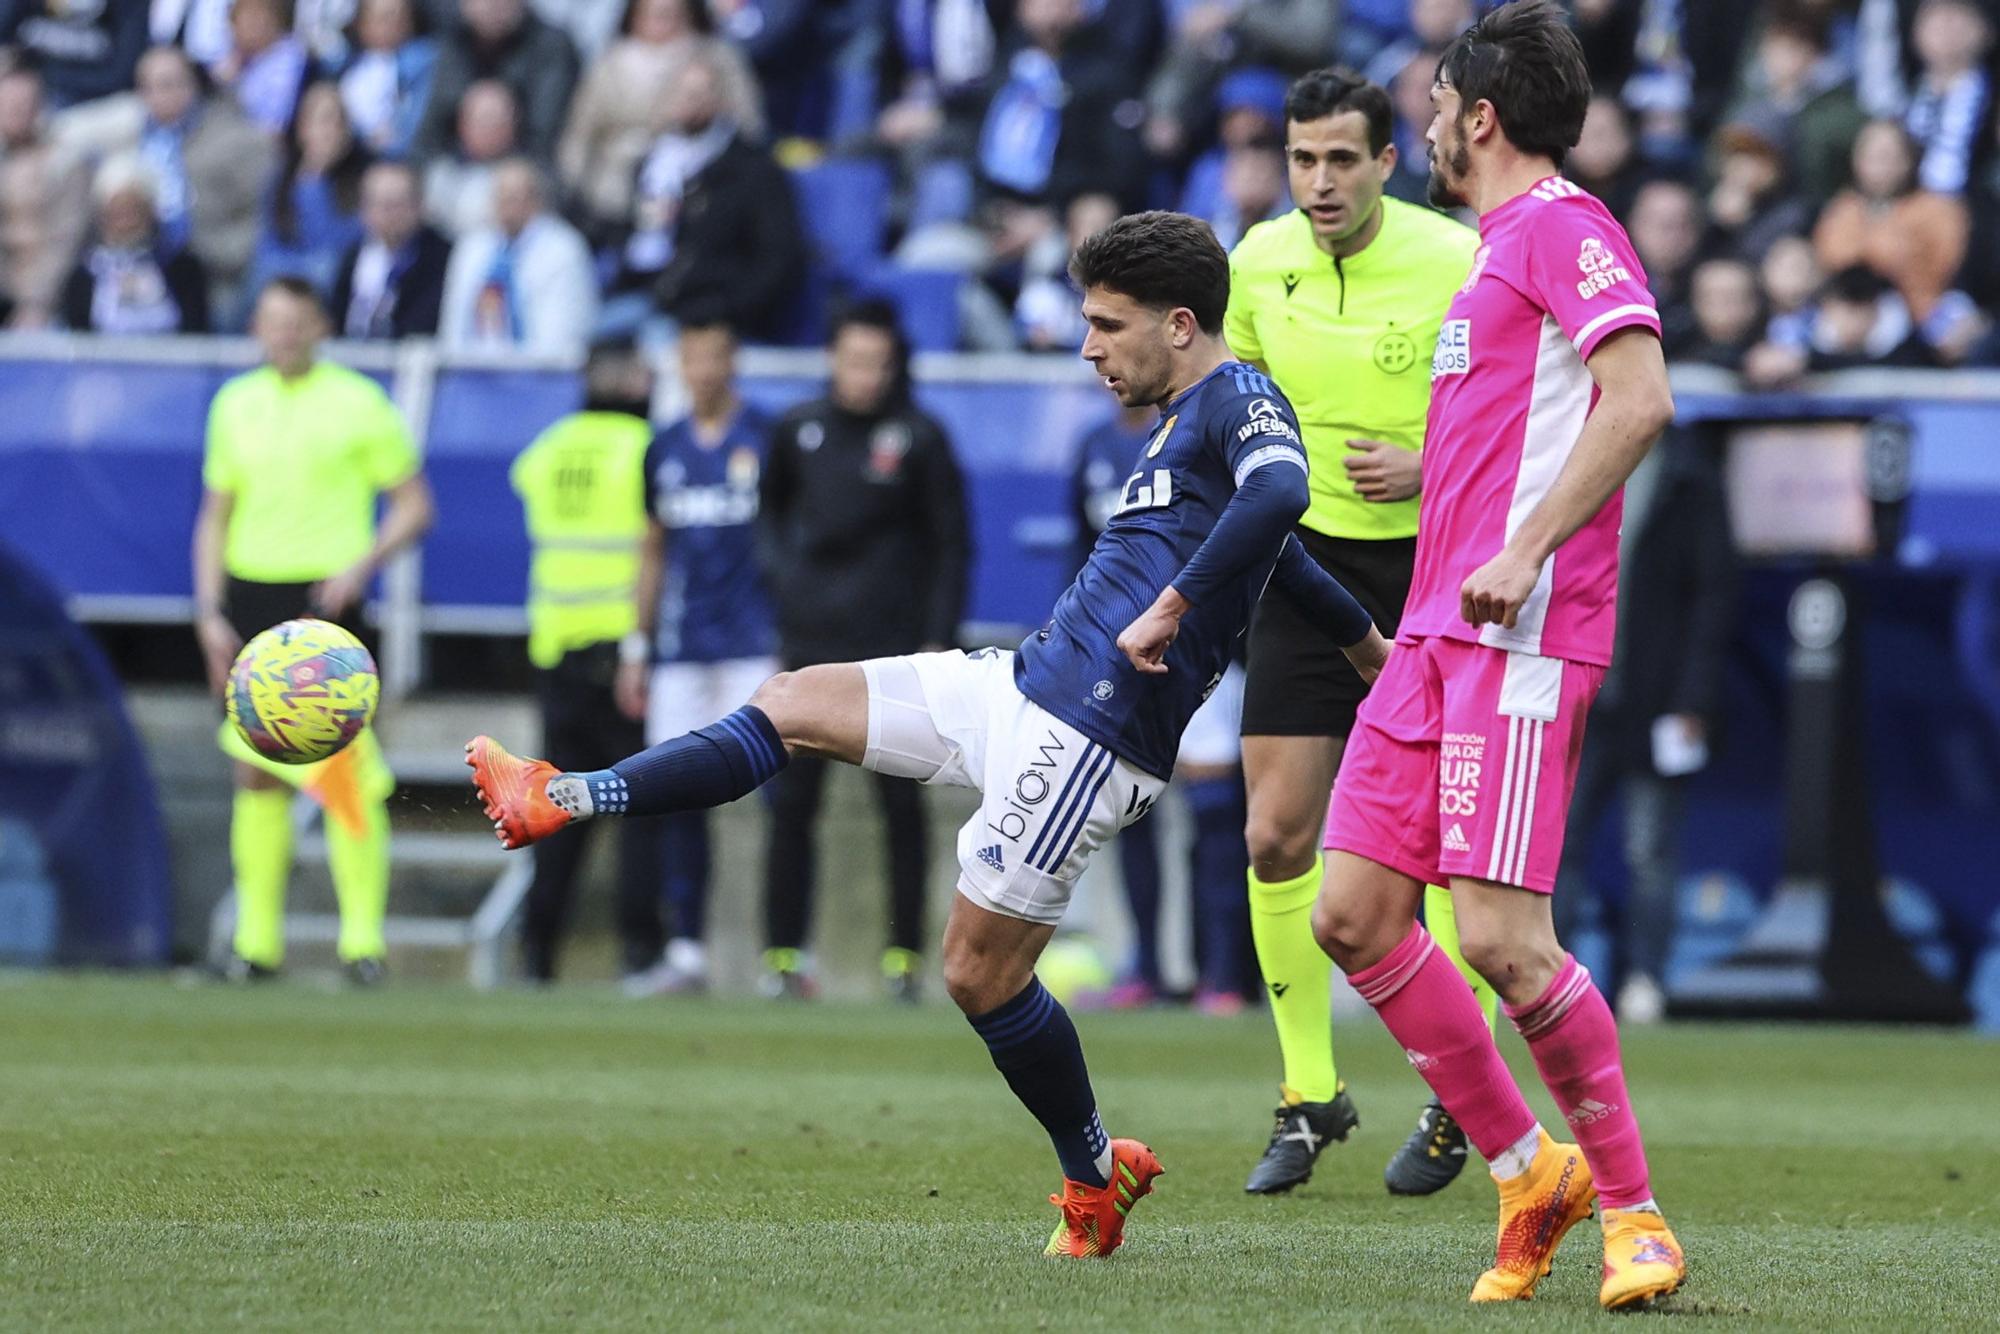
x=572 y=793
x=1645 y=1206
x=1517 y=1157
x=687 y=956
x=1104 y=1163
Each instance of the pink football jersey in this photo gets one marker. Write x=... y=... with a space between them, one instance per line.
x=1554 y=277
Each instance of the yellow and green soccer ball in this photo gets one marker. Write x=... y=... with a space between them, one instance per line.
x=300 y=691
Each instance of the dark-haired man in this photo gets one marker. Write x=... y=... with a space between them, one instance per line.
x=865 y=543
x=1548 y=387
x=1340 y=301
x=1071 y=737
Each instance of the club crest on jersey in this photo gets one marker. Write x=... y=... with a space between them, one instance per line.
x=1600 y=269
x=1453 y=355
x=1159 y=440
x=743 y=466
x=1479 y=258
x=886 y=448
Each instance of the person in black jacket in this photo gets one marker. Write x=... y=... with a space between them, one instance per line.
x=863 y=529
x=715 y=233
x=500 y=39
x=1654 y=720
x=391 y=283
x=84 y=51
x=129 y=281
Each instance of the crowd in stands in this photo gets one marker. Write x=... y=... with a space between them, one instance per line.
x=1805 y=180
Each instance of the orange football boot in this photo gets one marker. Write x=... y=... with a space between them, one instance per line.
x=1537 y=1209
x=1093 y=1217
x=515 y=792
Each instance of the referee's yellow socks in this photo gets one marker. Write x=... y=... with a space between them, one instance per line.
x=260 y=854
x=1298 y=977
x=1442 y=922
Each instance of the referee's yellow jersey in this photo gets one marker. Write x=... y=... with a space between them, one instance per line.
x=1349 y=341
x=304 y=460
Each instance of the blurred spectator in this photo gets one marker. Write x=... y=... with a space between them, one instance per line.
x=385 y=81
x=524 y=282
x=1410 y=98
x=788 y=43
x=1654 y=723
x=198 y=27
x=1858 y=321
x=500 y=39
x=266 y=63
x=1432 y=25
x=1791 y=279
x=44 y=205
x=590 y=24
x=1665 y=227
x=313 y=215
x=619 y=107
x=1211 y=37
x=210 y=165
x=1253 y=191
x=458 y=185
x=128 y=280
x=1914 y=238
x=1728 y=314
x=390 y=284
x=1251 y=103
x=1609 y=32
x=715 y=232
x=935 y=64
x=1603 y=161
x=1953 y=39
x=1053 y=126
x=1797 y=98
x=1751 y=205
x=1048 y=315
x=84 y=51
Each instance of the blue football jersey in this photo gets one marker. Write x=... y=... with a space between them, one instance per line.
x=1210 y=438
x=713 y=603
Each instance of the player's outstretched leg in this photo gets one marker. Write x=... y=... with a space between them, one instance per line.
x=1570 y=1032
x=816 y=710
x=1366 y=919
x=989 y=962
x=1434 y=1154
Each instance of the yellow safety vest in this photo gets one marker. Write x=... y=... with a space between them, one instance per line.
x=582 y=485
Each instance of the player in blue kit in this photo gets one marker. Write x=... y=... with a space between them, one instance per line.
x=706 y=636
x=1073 y=735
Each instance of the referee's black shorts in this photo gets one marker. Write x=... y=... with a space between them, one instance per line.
x=1300 y=684
x=252 y=608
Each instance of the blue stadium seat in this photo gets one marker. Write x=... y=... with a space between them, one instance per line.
x=926 y=301
x=844 y=208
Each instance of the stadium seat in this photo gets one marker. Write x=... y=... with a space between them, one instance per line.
x=926 y=301
x=844 y=205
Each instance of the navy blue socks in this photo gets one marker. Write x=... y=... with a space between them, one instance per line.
x=709 y=767
x=1219 y=862
x=1034 y=1045
x=1139 y=860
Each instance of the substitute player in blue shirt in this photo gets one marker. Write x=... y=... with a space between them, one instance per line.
x=707 y=636
x=1072 y=736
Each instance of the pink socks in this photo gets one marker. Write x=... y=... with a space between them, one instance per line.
x=1433 y=1014
x=1575 y=1044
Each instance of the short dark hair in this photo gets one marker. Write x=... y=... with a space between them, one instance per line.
x=1525 y=60
x=295 y=287
x=1855 y=285
x=1159 y=259
x=1330 y=91
x=868 y=311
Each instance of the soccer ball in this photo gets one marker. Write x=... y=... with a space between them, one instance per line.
x=300 y=691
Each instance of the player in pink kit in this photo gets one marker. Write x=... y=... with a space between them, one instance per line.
x=1548 y=388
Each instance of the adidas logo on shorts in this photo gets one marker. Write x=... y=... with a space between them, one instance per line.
x=1454 y=839
x=991 y=856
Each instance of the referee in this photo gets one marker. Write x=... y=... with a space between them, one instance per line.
x=1340 y=302
x=298 y=451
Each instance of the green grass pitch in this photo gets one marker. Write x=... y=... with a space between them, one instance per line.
x=426 y=1158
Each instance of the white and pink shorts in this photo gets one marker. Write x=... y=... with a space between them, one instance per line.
x=1462 y=763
